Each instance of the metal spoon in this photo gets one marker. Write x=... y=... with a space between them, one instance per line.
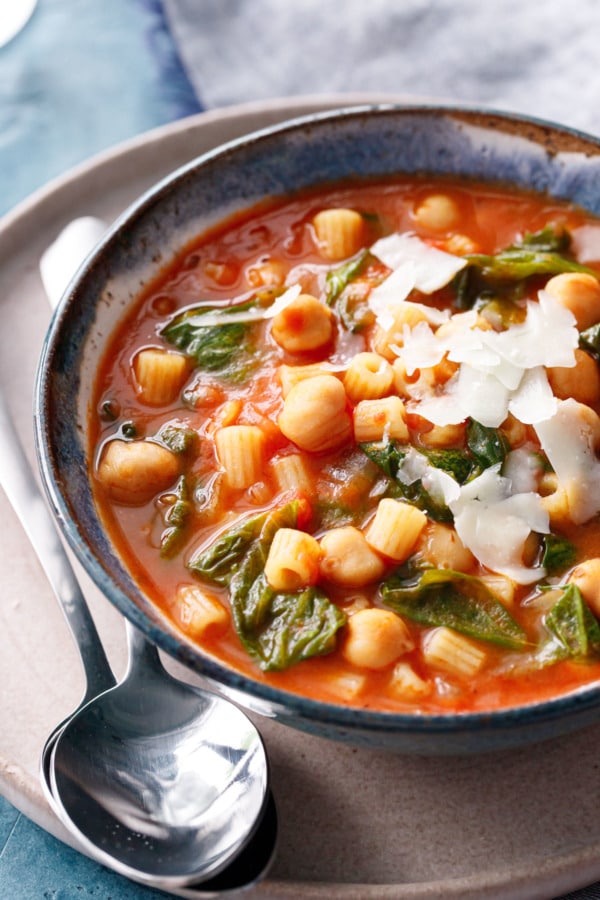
x=168 y=783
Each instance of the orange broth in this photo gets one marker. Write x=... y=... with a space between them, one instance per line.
x=223 y=268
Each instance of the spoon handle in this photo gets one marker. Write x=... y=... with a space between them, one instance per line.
x=20 y=486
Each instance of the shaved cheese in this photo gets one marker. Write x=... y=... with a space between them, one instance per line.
x=568 y=440
x=522 y=467
x=547 y=337
x=585 y=241
x=533 y=401
x=224 y=317
x=420 y=349
x=481 y=396
x=387 y=296
x=494 y=524
x=434 y=268
x=416 y=467
x=500 y=372
x=492 y=516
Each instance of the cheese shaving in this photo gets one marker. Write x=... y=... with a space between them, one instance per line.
x=569 y=440
x=415 y=265
x=211 y=319
x=500 y=372
x=433 y=268
x=487 y=508
x=495 y=523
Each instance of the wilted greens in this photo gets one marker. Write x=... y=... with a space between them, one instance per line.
x=277 y=629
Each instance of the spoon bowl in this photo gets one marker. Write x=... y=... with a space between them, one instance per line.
x=159 y=780
x=165 y=782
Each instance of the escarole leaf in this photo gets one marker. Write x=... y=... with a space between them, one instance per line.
x=444 y=597
x=337 y=279
x=277 y=629
x=214 y=347
x=574 y=625
x=498 y=278
x=389 y=455
x=280 y=629
x=487 y=445
x=589 y=340
x=559 y=554
x=540 y=253
x=176 y=518
x=347 y=291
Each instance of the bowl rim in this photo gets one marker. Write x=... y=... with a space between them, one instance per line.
x=252 y=692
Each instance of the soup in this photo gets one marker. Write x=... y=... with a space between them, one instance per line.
x=347 y=443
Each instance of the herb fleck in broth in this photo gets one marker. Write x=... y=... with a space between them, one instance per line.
x=352 y=445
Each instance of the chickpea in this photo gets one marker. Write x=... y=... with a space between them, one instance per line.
x=514 y=431
x=134 y=471
x=347 y=558
x=461 y=245
x=305 y=324
x=315 y=415
x=578 y=292
x=441 y=546
x=443 y=435
x=587 y=578
x=268 y=273
x=375 y=638
x=581 y=381
x=437 y=212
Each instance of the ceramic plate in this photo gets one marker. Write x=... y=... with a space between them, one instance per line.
x=353 y=823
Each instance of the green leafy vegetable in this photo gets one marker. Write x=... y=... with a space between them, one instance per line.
x=484 y=447
x=559 y=554
x=573 y=624
x=178 y=438
x=551 y=239
x=281 y=629
x=589 y=340
x=349 y=293
x=338 y=278
x=389 y=455
x=495 y=277
x=443 y=597
x=176 y=518
x=277 y=629
x=214 y=348
x=487 y=445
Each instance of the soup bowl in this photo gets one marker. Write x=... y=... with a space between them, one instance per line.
x=317 y=150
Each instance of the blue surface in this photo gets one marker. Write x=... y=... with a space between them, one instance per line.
x=35 y=866
x=82 y=76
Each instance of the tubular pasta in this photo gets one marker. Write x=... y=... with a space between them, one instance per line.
x=241 y=452
x=159 y=375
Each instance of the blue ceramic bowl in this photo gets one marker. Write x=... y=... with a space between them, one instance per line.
x=306 y=152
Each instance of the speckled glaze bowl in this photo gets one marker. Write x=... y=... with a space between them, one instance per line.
x=306 y=152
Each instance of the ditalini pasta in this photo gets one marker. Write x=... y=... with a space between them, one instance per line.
x=349 y=442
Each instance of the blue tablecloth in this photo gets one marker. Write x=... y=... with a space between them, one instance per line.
x=86 y=74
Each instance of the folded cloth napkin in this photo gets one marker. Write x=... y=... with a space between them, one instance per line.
x=535 y=58
x=81 y=77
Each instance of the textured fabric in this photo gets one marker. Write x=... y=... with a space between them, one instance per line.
x=538 y=58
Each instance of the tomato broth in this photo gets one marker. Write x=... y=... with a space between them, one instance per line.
x=318 y=452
